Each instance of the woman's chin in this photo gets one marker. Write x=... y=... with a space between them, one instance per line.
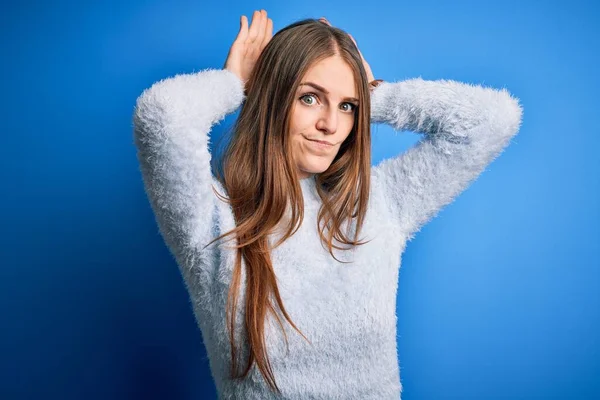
x=308 y=171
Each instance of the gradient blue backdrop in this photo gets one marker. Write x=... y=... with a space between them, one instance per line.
x=498 y=296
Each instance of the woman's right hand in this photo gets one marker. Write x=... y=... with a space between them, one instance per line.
x=248 y=44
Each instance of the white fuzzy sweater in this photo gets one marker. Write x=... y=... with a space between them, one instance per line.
x=347 y=311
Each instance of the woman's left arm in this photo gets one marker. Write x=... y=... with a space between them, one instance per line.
x=465 y=128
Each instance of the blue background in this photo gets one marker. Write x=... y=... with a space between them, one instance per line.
x=498 y=296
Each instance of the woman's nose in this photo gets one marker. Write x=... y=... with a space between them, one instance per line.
x=328 y=121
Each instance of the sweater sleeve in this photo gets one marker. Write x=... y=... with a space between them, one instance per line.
x=171 y=123
x=465 y=128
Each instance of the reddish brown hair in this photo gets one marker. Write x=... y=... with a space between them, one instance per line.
x=261 y=181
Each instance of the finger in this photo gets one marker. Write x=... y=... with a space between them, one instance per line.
x=359 y=52
x=324 y=20
x=262 y=27
x=269 y=33
x=353 y=40
x=243 y=33
x=253 y=33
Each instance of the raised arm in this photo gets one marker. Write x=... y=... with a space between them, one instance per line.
x=465 y=128
x=172 y=121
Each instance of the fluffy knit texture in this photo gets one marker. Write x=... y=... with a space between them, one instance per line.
x=347 y=311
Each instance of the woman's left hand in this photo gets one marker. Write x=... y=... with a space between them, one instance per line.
x=370 y=77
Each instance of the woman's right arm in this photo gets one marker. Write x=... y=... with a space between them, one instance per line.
x=172 y=121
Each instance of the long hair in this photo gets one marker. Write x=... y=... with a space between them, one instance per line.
x=261 y=181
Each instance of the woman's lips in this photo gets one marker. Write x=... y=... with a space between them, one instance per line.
x=319 y=144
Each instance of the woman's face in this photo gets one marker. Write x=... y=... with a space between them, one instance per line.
x=323 y=110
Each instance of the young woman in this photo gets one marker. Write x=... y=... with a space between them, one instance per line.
x=293 y=296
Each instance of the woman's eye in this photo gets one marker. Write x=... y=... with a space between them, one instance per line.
x=349 y=106
x=352 y=106
x=306 y=96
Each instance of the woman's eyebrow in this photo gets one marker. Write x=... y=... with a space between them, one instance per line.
x=322 y=89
